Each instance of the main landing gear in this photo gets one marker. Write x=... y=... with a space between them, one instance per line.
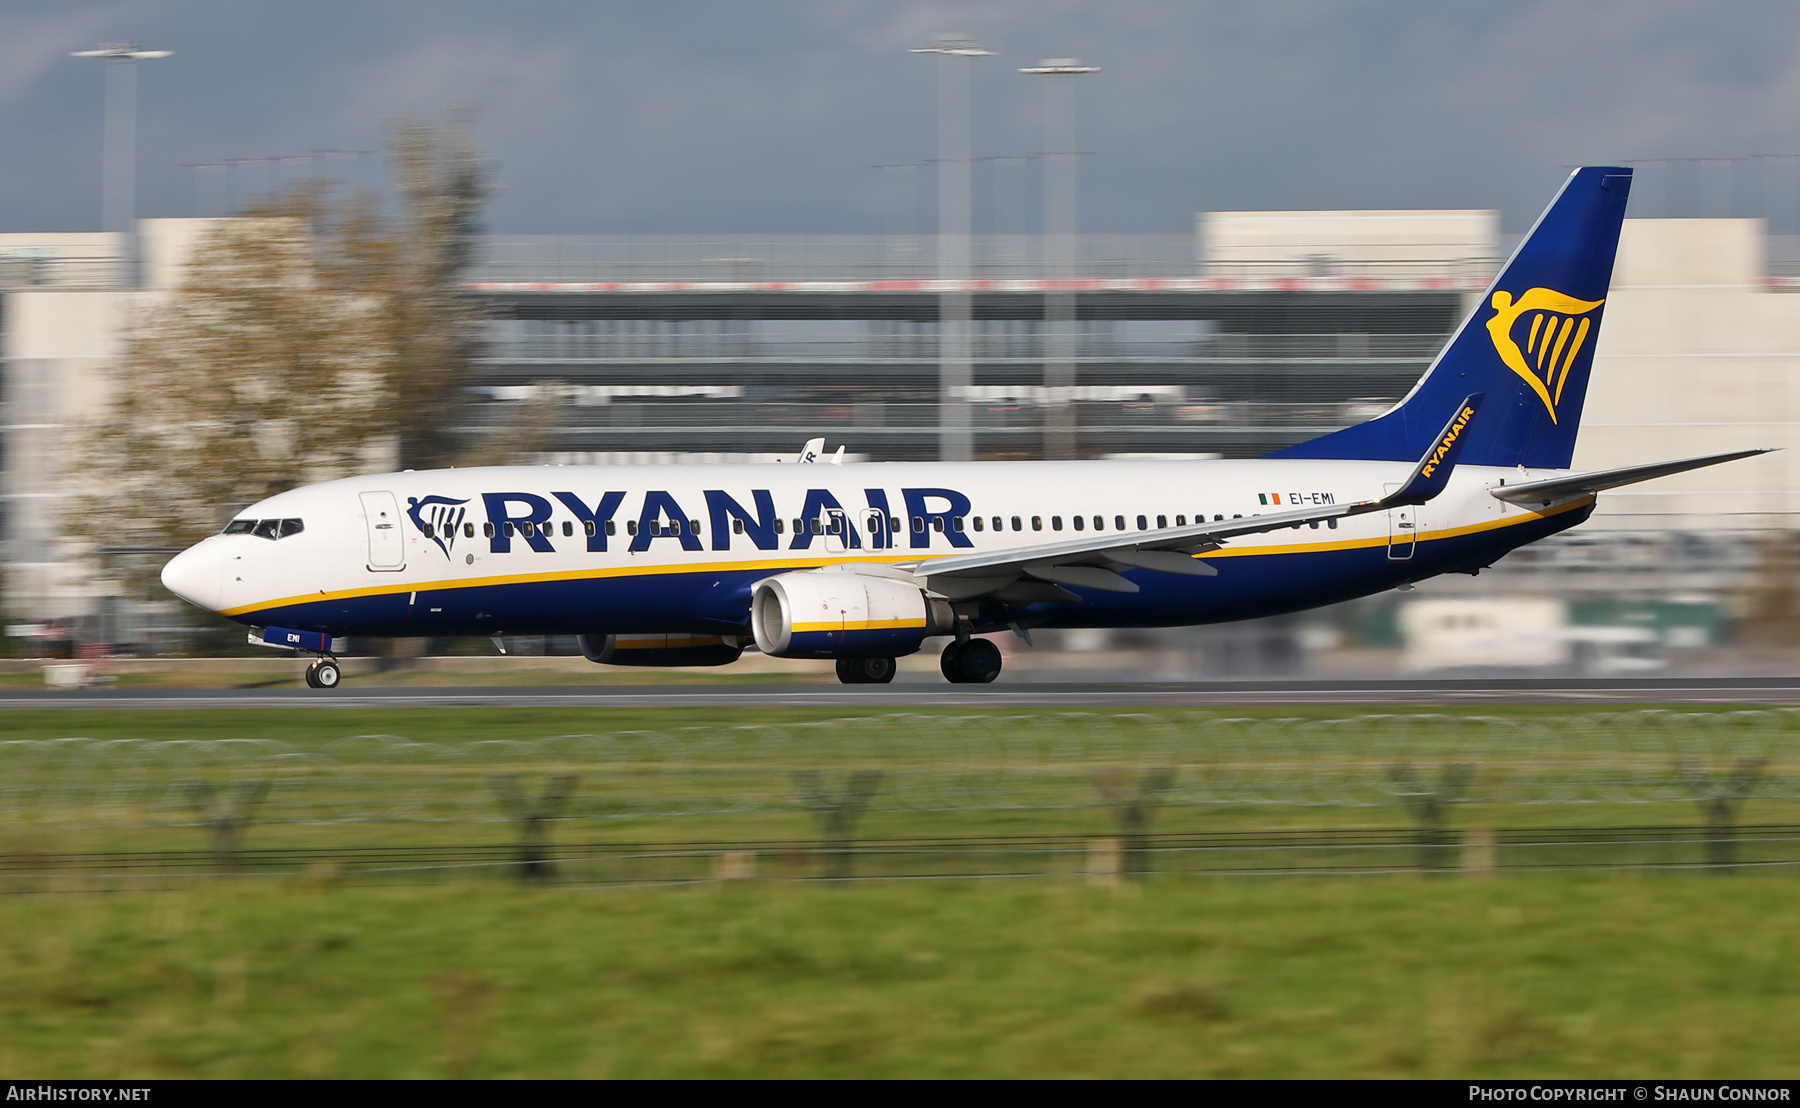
x=324 y=674
x=866 y=671
x=970 y=662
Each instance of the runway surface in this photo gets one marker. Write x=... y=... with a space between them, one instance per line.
x=1700 y=691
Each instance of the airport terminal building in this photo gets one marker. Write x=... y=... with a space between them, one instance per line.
x=1258 y=330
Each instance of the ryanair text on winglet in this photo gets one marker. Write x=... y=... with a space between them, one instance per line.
x=1443 y=446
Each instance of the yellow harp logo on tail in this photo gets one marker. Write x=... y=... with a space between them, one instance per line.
x=1558 y=327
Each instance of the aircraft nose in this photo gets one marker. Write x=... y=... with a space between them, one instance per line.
x=197 y=575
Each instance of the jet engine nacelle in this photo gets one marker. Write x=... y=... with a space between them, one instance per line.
x=660 y=650
x=833 y=614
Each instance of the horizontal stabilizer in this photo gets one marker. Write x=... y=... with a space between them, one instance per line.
x=1578 y=484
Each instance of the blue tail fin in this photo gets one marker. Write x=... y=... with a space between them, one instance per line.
x=1528 y=345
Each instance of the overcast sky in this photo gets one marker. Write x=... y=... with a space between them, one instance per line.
x=768 y=116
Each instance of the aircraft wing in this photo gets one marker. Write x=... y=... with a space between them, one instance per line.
x=1576 y=484
x=1094 y=562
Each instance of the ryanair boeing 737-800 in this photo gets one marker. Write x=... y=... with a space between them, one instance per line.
x=688 y=565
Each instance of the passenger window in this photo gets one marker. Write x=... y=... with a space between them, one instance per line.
x=937 y=524
x=1314 y=525
x=1331 y=523
x=631 y=527
x=977 y=523
x=1237 y=515
x=1079 y=522
x=780 y=526
x=1055 y=523
x=527 y=529
x=425 y=529
x=656 y=528
x=1017 y=525
x=468 y=530
x=611 y=527
x=893 y=523
x=239 y=527
x=1162 y=521
x=1099 y=523
x=1118 y=523
x=487 y=530
x=837 y=525
x=799 y=527
x=507 y=528
x=1143 y=524
x=956 y=523
x=568 y=529
x=674 y=527
x=999 y=524
x=693 y=527
x=588 y=528
x=918 y=525
x=1218 y=518
x=817 y=527
x=265 y=529
x=737 y=526
x=1037 y=523
x=1181 y=521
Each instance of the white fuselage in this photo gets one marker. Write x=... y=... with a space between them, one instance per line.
x=447 y=551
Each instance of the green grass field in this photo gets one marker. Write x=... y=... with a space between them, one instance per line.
x=1626 y=972
x=1661 y=976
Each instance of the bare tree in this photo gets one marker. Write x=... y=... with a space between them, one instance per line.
x=433 y=323
x=309 y=338
x=258 y=374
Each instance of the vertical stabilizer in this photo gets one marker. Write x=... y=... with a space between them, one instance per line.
x=1527 y=346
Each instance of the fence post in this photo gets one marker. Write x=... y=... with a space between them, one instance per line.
x=837 y=815
x=224 y=815
x=1719 y=798
x=533 y=816
x=1131 y=810
x=1427 y=804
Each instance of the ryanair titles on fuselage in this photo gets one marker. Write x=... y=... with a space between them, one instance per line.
x=525 y=517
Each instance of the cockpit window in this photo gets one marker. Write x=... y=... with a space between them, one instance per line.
x=265 y=528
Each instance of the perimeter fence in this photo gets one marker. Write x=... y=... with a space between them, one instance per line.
x=897 y=795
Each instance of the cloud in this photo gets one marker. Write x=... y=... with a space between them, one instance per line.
x=688 y=116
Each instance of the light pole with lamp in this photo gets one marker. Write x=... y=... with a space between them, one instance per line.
x=956 y=434
x=118 y=194
x=1059 y=252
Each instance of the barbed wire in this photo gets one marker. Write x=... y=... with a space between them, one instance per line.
x=928 y=763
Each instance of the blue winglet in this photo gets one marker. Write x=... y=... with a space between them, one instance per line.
x=1433 y=471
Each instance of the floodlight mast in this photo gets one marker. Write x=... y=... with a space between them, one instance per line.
x=1059 y=252
x=956 y=435
x=119 y=173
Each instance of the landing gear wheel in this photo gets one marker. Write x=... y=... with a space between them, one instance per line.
x=325 y=674
x=980 y=662
x=312 y=681
x=951 y=662
x=866 y=671
x=974 y=662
